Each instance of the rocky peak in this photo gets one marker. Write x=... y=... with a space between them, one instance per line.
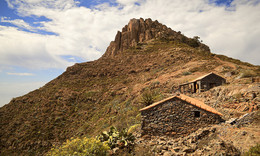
x=137 y=30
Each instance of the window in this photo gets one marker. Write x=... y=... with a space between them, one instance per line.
x=196 y=114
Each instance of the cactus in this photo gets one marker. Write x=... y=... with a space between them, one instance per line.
x=114 y=138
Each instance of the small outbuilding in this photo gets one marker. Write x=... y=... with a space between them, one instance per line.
x=177 y=116
x=202 y=83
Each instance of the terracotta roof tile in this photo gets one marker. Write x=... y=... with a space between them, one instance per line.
x=198 y=103
x=188 y=99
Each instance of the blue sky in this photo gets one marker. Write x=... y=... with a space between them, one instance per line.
x=39 y=39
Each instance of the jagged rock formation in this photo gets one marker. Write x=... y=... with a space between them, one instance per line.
x=140 y=30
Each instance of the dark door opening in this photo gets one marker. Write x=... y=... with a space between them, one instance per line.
x=194 y=87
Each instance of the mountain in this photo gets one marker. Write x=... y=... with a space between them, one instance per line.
x=89 y=97
x=140 y=31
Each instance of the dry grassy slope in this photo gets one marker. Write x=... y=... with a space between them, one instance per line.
x=91 y=96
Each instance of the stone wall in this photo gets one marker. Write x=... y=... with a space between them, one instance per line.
x=205 y=82
x=175 y=118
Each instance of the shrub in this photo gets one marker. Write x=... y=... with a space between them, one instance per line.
x=147 y=98
x=193 y=43
x=253 y=151
x=115 y=138
x=80 y=147
x=186 y=73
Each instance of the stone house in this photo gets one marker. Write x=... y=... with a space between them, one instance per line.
x=202 y=83
x=177 y=116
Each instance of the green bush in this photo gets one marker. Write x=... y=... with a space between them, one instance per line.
x=80 y=147
x=186 y=73
x=253 y=151
x=193 y=43
x=147 y=98
x=115 y=138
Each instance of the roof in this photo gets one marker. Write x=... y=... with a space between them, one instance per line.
x=188 y=99
x=199 y=78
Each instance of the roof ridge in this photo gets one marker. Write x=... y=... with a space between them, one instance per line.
x=200 y=104
x=192 y=101
x=200 y=77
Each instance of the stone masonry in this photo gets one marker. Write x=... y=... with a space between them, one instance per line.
x=176 y=116
x=202 y=83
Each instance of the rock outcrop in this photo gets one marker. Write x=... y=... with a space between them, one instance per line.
x=140 y=31
x=137 y=30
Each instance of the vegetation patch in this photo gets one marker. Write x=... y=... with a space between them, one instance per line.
x=101 y=145
x=117 y=139
x=148 y=97
x=253 y=151
x=186 y=73
x=80 y=147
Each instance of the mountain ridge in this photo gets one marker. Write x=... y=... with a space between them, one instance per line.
x=89 y=97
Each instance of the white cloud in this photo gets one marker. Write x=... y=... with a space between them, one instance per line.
x=29 y=50
x=24 y=7
x=129 y=2
x=18 y=22
x=81 y=31
x=20 y=74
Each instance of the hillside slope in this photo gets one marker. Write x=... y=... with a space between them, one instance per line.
x=90 y=97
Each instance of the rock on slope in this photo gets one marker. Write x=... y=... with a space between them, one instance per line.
x=89 y=97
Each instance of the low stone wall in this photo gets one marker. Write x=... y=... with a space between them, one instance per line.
x=176 y=118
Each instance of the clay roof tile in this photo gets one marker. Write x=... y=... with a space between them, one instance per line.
x=188 y=99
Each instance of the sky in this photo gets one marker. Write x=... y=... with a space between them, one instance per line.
x=39 y=39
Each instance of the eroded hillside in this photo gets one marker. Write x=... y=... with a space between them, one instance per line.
x=89 y=97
